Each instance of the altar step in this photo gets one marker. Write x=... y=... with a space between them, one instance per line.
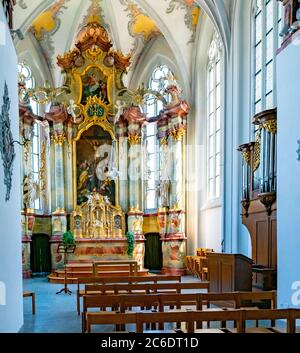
x=76 y=270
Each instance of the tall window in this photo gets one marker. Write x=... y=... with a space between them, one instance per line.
x=266 y=29
x=214 y=119
x=158 y=82
x=25 y=75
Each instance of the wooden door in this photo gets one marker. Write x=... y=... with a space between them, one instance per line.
x=153 y=252
x=40 y=254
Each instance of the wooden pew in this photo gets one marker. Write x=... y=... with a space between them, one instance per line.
x=132 y=266
x=107 y=318
x=191 y=317
x=146 y=288
x=125 y=279
x=123 y=302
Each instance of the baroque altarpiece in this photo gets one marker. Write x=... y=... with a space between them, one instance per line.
x=91 y=157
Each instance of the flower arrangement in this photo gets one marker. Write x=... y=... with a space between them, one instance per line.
x=130 y=243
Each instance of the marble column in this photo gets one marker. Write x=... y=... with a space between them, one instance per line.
x=123 y=165
x=58 y=116
x=174 y=241
x=68 y=171
x=135 y=119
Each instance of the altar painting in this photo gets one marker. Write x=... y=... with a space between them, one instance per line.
x=93 y=153
x=94 y=83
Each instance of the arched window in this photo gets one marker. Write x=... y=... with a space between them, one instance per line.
x=266 y=40
x=158 y=82
x=214 y=112
x=25 y=75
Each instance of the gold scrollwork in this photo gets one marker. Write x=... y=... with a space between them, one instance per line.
x=58 y=139
x=26 y=147
x=246 y=157
x=134 y=138
x=43 y=170
x=164 y=141
x=270 y=126
x=177 y=133
x=256 y=156
x=135 y=210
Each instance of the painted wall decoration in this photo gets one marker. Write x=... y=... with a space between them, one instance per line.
x=140 y=25
x=46 y=25
x=191 y=17
x=6 y=143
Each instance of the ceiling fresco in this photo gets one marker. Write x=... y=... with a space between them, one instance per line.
x=46 y=25
x=132 y=25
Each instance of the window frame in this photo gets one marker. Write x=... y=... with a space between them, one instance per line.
x=214 y=133
x=157 y=151
x=265 y=31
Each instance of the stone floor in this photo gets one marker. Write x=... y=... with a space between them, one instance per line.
x=55 y=313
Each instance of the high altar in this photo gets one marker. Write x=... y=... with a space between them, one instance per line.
x=91 y=155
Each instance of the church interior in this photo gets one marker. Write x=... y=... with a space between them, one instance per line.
x=148 y=176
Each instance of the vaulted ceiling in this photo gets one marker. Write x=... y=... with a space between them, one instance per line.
x=133 y=25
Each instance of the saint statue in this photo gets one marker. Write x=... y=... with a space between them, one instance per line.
x=163 y=192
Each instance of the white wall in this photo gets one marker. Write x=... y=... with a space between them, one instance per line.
x=11 y=314
x=288 y=195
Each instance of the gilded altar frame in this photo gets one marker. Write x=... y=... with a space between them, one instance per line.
x=114 y=83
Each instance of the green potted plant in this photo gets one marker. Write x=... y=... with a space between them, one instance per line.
x=130 y=243
x=68 y=238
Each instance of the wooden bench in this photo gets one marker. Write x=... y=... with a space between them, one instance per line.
x=131 y=264
x=159 y=301
x=146 y=288
x=27 y=294
x=101 y=291
x=239 y=316
x=126 y=279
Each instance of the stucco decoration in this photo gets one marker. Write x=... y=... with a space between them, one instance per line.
x=46 y=25
x=95 y=13
x=6 y=143
x=191 y=17
x=22 y=4
x=140 y=25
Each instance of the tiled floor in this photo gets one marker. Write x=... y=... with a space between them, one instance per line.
x=55 y=313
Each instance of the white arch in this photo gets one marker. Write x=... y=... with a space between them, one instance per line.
x=217 y=13
x=172 y=43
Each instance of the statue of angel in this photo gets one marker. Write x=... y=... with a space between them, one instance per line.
x=120 y=105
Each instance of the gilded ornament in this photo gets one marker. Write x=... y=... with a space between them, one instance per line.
x=270 y=126
x=134 y=139
x=43 y=170
x=246 y=157
x=59 y=211
x=58 y=139
x=177 y=133
x=257 y=147
x=164 y=141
